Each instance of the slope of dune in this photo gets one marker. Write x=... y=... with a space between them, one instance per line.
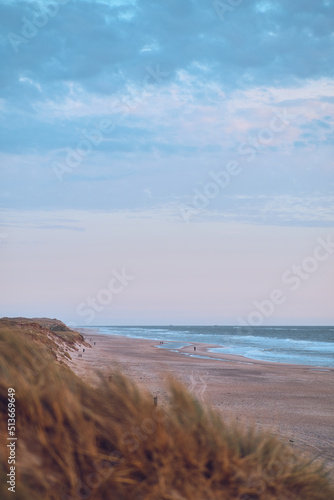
x=53 y=335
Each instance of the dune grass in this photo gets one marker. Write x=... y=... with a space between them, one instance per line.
x=109 y=442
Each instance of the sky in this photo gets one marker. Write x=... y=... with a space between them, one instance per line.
x=167 y=162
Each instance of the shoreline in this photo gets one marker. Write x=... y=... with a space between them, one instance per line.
x=206 y=354
x=294 y=401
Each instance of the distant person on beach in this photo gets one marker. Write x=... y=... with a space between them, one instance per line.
x=194 y=348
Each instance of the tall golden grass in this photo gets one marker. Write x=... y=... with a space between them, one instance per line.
x=109 y=442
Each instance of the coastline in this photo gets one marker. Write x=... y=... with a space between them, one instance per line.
x=294 y=401
x=157 y=431
x=203 y=350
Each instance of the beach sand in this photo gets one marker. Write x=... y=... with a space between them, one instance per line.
x=294 y=401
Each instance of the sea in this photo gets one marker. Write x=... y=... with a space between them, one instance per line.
x=304 y=345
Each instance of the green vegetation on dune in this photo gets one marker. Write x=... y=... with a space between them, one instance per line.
x=109 y=442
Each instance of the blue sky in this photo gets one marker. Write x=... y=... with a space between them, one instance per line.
x=192 y=133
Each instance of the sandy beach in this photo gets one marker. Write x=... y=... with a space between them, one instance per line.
x=293 y=400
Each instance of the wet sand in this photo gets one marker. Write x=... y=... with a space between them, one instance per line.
x=295 y=401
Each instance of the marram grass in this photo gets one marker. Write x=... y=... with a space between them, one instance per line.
x=109 y=442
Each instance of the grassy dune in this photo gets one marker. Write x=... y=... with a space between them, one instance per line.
x=109 y=442
x=57 y=339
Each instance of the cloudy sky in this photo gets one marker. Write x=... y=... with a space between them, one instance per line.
x=167 y=161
